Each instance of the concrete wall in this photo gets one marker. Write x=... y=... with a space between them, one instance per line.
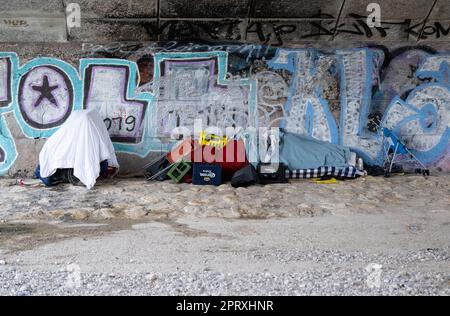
x=274 y=22
x=149 y=66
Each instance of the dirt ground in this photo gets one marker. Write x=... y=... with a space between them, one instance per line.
x=372 y=236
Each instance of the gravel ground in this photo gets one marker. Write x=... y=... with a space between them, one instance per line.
x=298 y=256
x=332 y=282
x=371 y=236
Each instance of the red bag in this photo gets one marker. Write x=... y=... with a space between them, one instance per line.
x=231 y=157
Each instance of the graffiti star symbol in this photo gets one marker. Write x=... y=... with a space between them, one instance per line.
x=46 y=92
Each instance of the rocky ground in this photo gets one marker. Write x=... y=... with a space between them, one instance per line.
x=366 y=236
x=138 y=199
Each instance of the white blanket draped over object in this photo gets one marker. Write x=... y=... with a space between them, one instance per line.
x=81 y=143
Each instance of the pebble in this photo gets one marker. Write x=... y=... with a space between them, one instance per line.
x=343 y=281
x=151 y=277
x=79 y=215
x=135 y=212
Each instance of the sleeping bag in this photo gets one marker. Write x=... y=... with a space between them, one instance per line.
x=304 y=152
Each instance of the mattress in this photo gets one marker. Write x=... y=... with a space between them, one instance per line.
x=341 y=172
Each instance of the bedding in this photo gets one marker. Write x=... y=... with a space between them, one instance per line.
x=340 y=172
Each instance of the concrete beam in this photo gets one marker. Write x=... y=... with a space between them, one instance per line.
x=204 y=9
x=26 y=26
x=390 y=9
x=36 y=6
x=115 y=30
x=295 y=9
x=116 y=8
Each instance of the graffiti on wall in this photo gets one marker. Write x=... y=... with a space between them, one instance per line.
x=341 y=96
x=426 y=127
x=45 y=96
x=108 y=87
x=195 y=87
x=5 y=83
x=307 y=112
x=279 y=32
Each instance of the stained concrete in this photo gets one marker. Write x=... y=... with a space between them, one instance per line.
x=142 y=20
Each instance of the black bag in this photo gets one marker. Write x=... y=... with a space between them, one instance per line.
x=244 y=177
x=268 y=173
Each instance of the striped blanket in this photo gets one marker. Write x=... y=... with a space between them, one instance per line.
x=347 y=172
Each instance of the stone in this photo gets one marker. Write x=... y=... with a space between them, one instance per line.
x=163 y=206
x=135 y=212
x=224 y=187
x=229 y=198
x=191 y=209
x=151 y=277
x=79 y=215
x=196 y=202
x=109 y=213
x=57 y=213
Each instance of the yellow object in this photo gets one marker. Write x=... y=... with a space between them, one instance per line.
x=332 y=180
x=212 y=140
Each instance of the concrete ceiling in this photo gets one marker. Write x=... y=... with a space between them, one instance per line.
x=274 y=22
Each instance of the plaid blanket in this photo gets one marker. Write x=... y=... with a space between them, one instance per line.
x=347 y=172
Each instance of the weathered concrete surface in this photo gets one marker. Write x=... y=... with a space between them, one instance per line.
x=37 y=6
x=392 y=10
x=115 y=9
x=404 y=229
x=28 y=26
x=204 y=9
x=294 y=9
x=293 y=20
x=115 y=30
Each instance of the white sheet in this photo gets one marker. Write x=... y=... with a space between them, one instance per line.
x=81 y=143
